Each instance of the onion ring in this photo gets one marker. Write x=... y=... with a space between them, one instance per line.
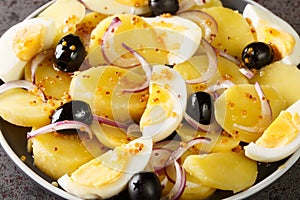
x=203 y=20
x=110 y=122
x=22 y=84
x=265 y=114
x=212 y=66
x=146 y=67
x=180 y=182
x=61 y=125
x=37 y=60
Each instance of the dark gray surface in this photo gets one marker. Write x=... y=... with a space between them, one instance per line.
x=14 y=185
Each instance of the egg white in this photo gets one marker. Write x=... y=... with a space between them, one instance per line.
x=255 y=14
x=163 y=125
x=11 y=66
x=137 y=162
x=263 y=154
x=181 y=37
x=111 y=7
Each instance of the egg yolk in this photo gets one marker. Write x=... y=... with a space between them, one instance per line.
x=281 y=132
x=159 y=107
x=28 y=42
x=102 y=171
x=281 y=40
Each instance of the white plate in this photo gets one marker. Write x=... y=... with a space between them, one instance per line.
x=15 y=147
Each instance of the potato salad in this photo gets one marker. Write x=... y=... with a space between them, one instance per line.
x=152 y=99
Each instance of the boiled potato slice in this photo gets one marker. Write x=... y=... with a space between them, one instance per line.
x=87 y=25
x=102 y=88
x=23 y=108
x=223 y=170
x=197 y=65
x=194 y=189
x=111 y=101
x=84 y=84
x=67 y=14
x=219 y=143
x=240 y=105
x=234 y=31
x=285 y=79
x=110 y=136
x=55 y=84
x=56 y=154
x=133 y=32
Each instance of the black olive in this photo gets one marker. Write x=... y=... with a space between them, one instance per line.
x=199 y=107
x=69 y=54
x=73 y=110
x=257 y=55
x=298 y=66
x=159 y=7
x=145 y=186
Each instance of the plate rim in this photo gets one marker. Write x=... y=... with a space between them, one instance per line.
x=258 y=187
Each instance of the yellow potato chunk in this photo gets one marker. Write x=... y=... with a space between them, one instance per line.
x=56 y=154
x=223 y=170
x=197 y=66
x=67 y=14
x=103 y=87
x=234 y=31
x=240 y=105
x=194 y=189
x=134 y=32
x=285 y=79
x=111 y=136
x=87 y=25
x=23 y=108
x=55 y=84
x=219 y=141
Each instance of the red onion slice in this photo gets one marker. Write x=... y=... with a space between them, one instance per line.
x=180 y=183
x=164 y=183
x=110 y=122
x=61 y=126
x=212 y=65
x=196 y=125
x=227 y=56
x=107 y=48
x=246 y=72
x=22 y=84
x=159 y=157
x=204 y=21
x=265 y=114
x=175 y=155
x=37 y=60
x=146 y=67
x=243 y=69
x=219 y=86
x=116 y=22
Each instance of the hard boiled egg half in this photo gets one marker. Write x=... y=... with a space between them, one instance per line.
x=166 y=104
x=20 y=43
x=108 y=174
x=280 y=139
x=274 y=30
x=110 y=7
